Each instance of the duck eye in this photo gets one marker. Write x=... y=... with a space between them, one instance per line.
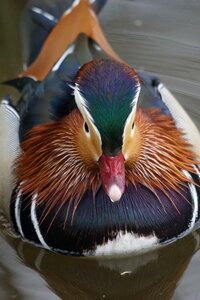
x=86 y=127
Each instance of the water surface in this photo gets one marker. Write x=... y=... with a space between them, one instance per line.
x=161 y=37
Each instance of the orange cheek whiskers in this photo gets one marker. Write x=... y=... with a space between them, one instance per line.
x=50 y=165
x=163 y=155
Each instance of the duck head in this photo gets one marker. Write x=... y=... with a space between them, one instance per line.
x=106 y=93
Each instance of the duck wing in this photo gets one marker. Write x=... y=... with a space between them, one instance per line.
x=155 y=94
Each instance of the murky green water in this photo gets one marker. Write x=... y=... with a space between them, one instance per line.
x=158 y=36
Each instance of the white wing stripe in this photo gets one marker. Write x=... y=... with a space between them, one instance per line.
x=66 y=53
x=69 y=10
x=17 y=213
x=48 y=16
x=194 y=195
x=36 y=223
x=197 y=171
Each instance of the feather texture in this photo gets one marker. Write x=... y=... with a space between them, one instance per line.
x=83 y=103
x=57 y=165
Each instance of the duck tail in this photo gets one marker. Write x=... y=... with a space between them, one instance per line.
x=53 y=27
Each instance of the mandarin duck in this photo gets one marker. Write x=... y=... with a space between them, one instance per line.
x=97 y=158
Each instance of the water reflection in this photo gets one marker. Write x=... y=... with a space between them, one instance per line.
x=153 y=275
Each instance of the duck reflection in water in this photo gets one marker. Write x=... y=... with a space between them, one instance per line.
x=151 y=275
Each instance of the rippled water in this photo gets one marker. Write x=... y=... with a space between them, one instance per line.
x=158 y=36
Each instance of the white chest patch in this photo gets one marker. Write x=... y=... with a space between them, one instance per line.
x=126 y=243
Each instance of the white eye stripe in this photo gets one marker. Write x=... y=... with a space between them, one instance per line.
x=81 y=102
x=130 y=116
x=135 y=99
x=83 y=108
